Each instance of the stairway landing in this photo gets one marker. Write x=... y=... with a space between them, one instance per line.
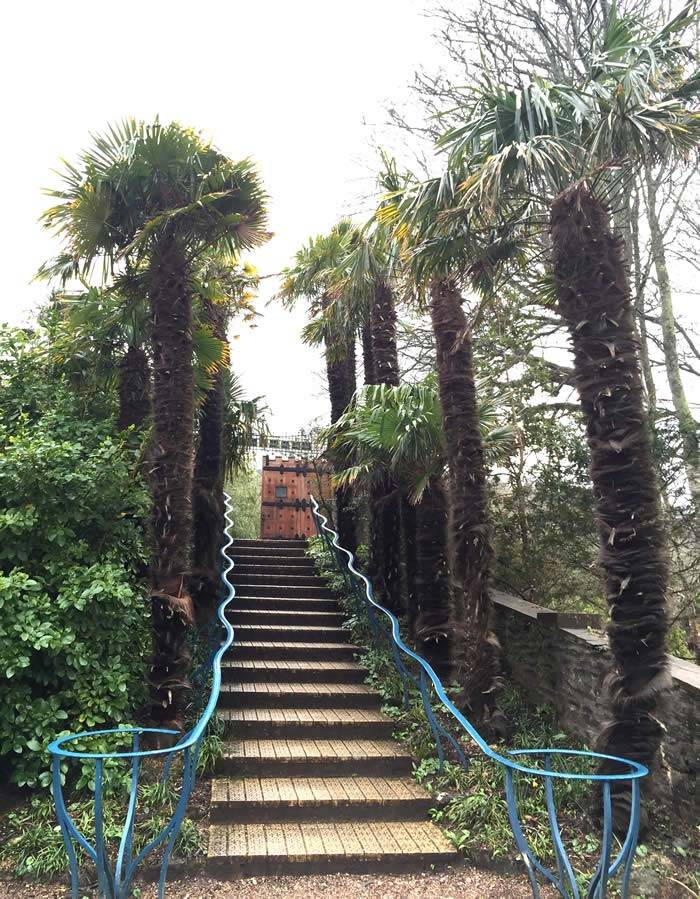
x=310 y=780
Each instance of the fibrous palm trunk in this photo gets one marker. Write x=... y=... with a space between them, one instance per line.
x=594 y=301
x=208 y=491
x=432 y=620
x=134 y=389
x=368 y=354
x=171 y=481
x=408 y=536
x=385 y=501
x=475 y=650
x=342 y=383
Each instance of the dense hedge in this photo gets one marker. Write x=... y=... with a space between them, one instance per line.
x=73 y=624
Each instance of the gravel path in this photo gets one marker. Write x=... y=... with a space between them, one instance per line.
x=460 y=883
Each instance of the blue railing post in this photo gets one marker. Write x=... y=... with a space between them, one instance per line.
x=632 y=772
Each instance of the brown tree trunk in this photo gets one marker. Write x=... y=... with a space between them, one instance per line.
x=408 y=540
x=432 y=624
x=383 y=325
x=475 y=649
x=341 y=373
x=134 y=389
x=208 y=493
x=368 y=354
x=594 y=301
x=171 y=482
x=385 y=499
x=687 y=426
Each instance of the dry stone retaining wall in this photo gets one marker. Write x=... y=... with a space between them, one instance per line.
x=562 y=659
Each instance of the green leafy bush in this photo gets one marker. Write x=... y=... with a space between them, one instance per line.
x=73 y=624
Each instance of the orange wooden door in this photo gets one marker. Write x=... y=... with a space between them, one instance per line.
x=285 y=511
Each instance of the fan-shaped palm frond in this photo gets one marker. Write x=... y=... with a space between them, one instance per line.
x=139 y=181
x=244 y=420
x=634 y=103
x=398 y=431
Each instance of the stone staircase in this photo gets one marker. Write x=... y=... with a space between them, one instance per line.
x=311 y=780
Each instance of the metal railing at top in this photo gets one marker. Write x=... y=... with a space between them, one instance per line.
x=564 y=880
x=116 y=881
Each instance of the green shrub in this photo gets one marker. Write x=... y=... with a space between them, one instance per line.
x=244 y=488
x=73 y=623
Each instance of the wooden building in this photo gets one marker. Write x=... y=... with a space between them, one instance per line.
x=285 y=509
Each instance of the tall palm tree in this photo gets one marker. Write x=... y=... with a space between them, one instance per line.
x=445 y=253
x=397 y=431
x=158 y=196
x=571 y=147
x=313 y=277
x=224 y=288
x=369 y=275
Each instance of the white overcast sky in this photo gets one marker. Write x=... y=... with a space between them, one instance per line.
x=296 y=84
x=299 y=85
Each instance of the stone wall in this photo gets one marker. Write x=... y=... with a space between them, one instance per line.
x=562 y=659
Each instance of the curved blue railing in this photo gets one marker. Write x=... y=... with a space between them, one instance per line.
x=116 y=883
x=564 y=880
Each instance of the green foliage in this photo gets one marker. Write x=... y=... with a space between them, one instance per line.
x=532 y=509
x=244 y=420
x=244 y=488
x=139 y=182
x=33 y=844
x=398 y=430
x=471 y=803
x=212 y=748
x=73 y=627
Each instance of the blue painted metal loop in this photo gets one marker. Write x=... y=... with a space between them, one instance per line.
x=118 y=883
x=564 y=880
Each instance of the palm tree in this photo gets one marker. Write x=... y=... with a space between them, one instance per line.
x=158 y=196
x=398 y=432
x=445 y=251
x=101 y=334
x=566 y=145
x=368 y=274
x=223 y=288
x=104 y=332
x=313 y=276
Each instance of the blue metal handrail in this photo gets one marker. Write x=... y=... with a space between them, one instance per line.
x=117 y=883
x=564 y=880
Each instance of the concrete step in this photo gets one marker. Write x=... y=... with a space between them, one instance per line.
x=301 y=617
x=266 y=544
x=259 y=799
x=263 y=553
x=299 y=723
x=289 y=632
x=287 y=580
x=288 y=602
x=314 y=758
x=251 y=568
x=286 y=671
x=294 y=650
x=288 y=695
x=292 y=847
x=300 y=592
x=256 y=559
